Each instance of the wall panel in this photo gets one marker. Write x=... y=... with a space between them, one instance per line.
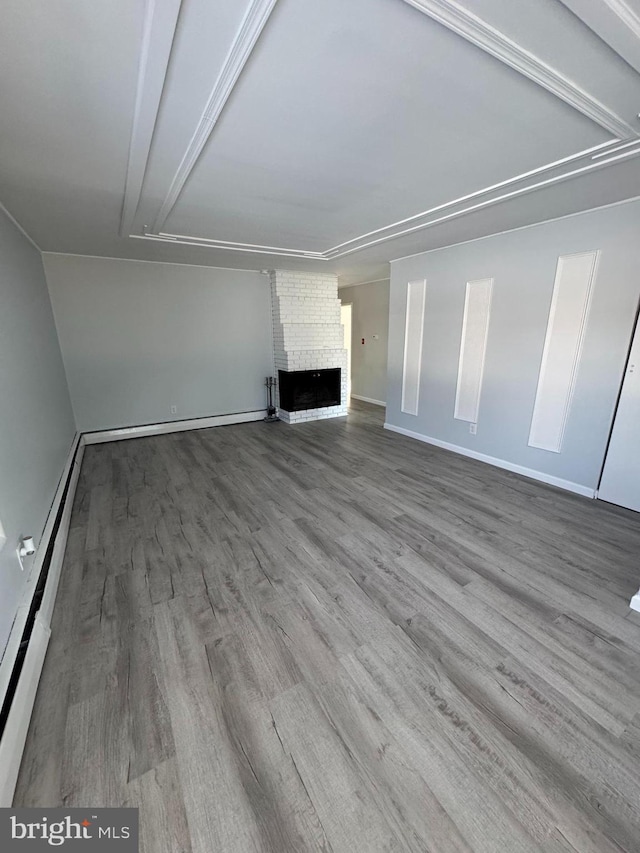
x=414 y=325
x=566 y=326
x=473 y=346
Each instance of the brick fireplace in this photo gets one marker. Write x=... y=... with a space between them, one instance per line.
x=308 y=336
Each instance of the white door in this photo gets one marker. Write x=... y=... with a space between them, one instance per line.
x=345 y=319
x=620 y=482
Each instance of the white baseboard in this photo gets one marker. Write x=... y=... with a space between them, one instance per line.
x=17 y=725
x=634 y=604
x=369 y=400
x=17 y=629
x=171 y=426
x=498 y=463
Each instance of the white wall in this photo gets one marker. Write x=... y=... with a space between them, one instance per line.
x=139 y=337
x=370 y=316
x=36 y=420
x=523 y=265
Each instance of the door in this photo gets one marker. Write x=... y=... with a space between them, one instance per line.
x=620 y=483
x=345 y=319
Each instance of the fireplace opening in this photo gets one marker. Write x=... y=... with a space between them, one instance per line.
x=309 y=389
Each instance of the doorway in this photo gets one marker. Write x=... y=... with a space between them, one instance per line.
x=345 y=319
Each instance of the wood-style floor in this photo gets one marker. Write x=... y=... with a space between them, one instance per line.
x=330 y=637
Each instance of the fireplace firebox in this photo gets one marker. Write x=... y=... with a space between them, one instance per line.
x=309 y=389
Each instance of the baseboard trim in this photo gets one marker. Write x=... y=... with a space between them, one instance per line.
x=634 y=604
x=171 y=426
x=15 y=732
x=20 y=621
x=531 y=473
x=54 y=537
x=369 y=400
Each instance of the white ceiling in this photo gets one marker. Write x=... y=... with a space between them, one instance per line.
x=295 y=133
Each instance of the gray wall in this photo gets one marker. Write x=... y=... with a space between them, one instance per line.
x=36 y=421
x=522 y=264
x=139 y=337
x=370 y=316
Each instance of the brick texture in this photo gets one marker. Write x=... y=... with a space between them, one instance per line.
x=307 y=333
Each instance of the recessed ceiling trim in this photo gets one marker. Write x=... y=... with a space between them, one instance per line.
x=306 y=252
x=602 y=148
x=589 y=167
x=160 y=21
x=492 y=41
x=205 y=243
x=583 y=157
x=252 y=25
x=627 y=15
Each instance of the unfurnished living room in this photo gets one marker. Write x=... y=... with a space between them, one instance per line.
x=319 y=406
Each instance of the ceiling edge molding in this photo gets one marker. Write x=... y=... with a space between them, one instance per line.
x=252 y=25
x=627 y=15
x=160 y=22
x=590 y=166
x=206 y=243
x=581 y=163
x=305 y=253
x=601 y=150
x=632 y=200
x=472 y=28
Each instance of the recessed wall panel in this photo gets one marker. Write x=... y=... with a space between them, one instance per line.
x=473 y=345
x=566 y=326
x=414 y=325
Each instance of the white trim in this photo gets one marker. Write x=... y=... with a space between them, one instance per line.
x=19 y=227
x=631 y=200
x=145 y=430
x=17 y=725
x=160 y=22
x=457 y=413
x=356 y=244
x=60 y=544
x=589 y=167
x=568 y=485
x=634 y=604
x=205 y=243
x=627 y=15
x=538 y=413
x=243 y=247
x=252 y=25
x=421 y=290
x=17 y=629
x=368 y=400
x=472 y=28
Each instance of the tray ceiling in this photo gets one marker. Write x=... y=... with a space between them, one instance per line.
x=291 y=133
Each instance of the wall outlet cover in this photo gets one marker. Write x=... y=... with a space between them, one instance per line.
x=473 y=428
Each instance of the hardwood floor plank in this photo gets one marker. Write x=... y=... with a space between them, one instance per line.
x=329 y=637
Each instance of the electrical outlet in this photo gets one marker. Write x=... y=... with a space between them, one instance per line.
x=174 y=410
x=473 y=428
